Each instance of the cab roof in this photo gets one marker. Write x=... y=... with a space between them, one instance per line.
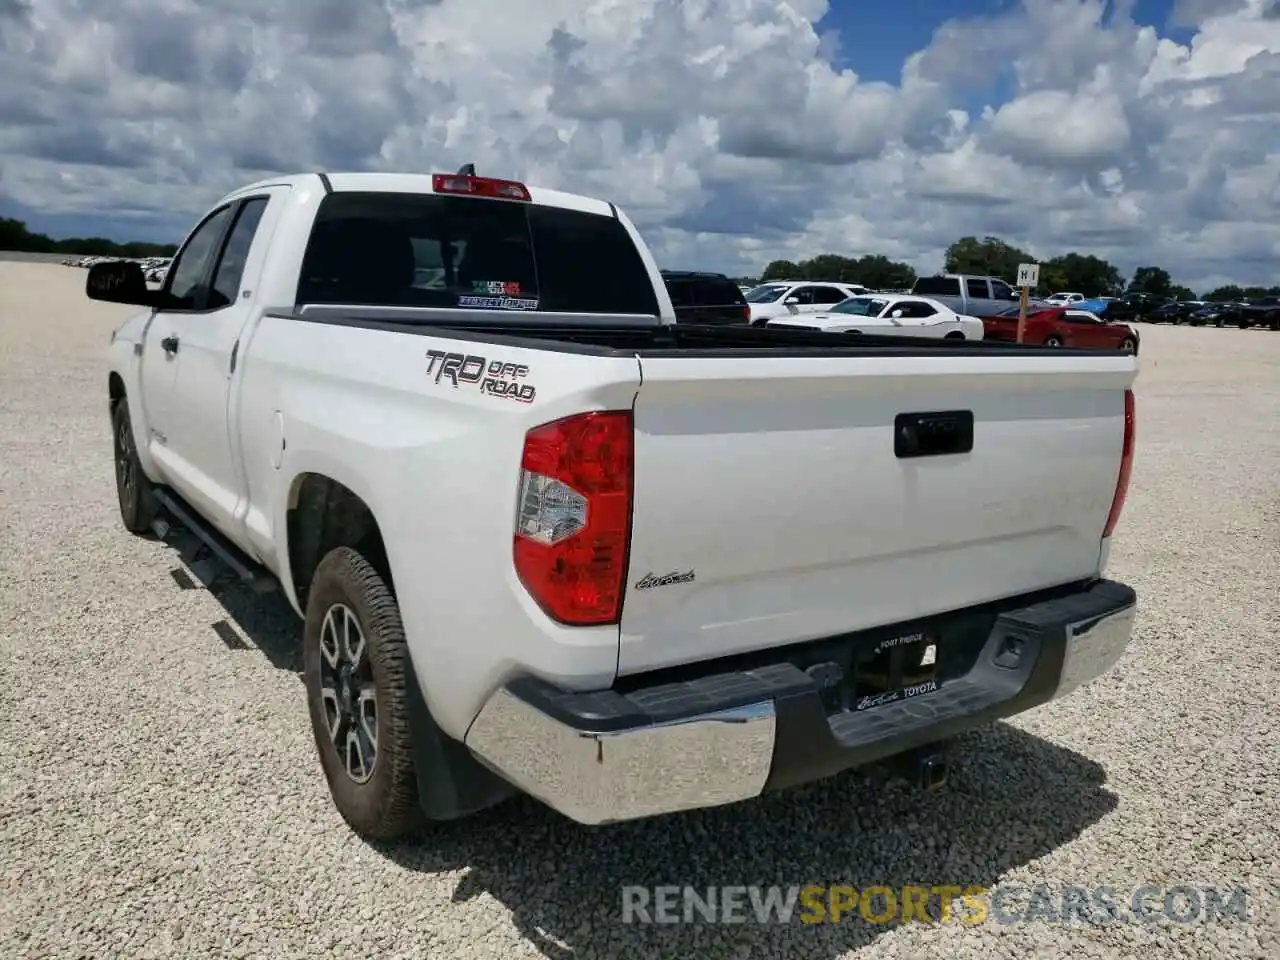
x=419 y=183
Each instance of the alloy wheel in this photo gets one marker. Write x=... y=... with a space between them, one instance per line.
x=348 y=693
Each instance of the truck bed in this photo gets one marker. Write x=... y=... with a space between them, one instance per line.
x=629 y=335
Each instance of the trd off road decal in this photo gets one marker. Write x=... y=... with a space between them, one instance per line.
x=497 y=378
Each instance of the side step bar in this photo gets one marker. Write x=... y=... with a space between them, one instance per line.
x=247 y=571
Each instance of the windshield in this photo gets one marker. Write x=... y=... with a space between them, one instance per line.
x=427 y=250
x=860 y=306
x=765 y=293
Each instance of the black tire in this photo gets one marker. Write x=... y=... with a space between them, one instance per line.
x=954 y=335
x=135 y=493
x=384 y=806
x=1053 y=341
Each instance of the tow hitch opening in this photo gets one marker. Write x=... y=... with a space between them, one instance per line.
x=927 y=768
x=931 y=772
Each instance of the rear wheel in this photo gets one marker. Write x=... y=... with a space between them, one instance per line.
x=356 y=669
x=954 y=335
x=1054 y=341
x=134 y=491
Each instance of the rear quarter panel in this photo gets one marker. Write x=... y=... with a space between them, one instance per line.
x=439 y=467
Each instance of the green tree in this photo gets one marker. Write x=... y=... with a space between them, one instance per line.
x=1225 y=294
x=988 y=257
x=828 y=266
x=877 y=272
x=872 y=270
x=1080 y=273
x=14 y=235
x=1153 y=280
x=780 y=270
x=1179 y=292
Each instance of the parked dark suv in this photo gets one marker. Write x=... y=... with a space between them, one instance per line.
x=1260 y=312
x=706 y=298
x=1133 y=306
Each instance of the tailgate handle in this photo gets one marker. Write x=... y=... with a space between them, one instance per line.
x=932 y=434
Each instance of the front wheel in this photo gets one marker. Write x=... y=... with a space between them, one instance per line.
x=135 y=493
x=356 y=669
x=1054 y=341
x=954 y=335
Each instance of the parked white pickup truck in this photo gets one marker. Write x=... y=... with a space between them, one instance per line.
x=545 y=540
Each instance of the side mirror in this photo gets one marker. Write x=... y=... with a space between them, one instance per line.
x=120 y=281
x=791 y=301
x=896 y=315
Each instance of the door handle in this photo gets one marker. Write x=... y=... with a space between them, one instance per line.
x=932 y=434
x=169 y=344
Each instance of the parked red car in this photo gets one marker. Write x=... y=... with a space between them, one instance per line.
x=1062 y=327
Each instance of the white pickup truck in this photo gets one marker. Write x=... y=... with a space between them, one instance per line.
x=543 y=539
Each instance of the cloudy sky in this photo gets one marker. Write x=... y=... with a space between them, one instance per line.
x=733 y=131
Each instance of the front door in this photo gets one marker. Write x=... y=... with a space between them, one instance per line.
x=1084 y=331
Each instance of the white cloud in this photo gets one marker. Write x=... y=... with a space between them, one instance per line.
x=723 y=126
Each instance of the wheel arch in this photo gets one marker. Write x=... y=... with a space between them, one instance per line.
x=322 y=514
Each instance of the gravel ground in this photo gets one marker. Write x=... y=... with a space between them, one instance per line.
x=161 y=796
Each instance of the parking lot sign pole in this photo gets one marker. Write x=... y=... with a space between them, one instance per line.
x=1028 y=277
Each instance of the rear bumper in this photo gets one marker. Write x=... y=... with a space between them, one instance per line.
x=722 y=737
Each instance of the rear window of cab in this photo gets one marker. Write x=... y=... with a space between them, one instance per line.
x=429 y=250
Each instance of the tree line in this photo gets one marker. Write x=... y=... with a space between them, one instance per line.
x=14 y=235
x=993 y=257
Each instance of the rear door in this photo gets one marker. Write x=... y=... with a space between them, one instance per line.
x=947 y=291
x=199 y=455
x=184 y=288
x=681 y=291
x=771 y=507
x=720 y=301
x=819 y=297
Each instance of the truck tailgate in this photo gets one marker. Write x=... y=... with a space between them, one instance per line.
x=770 y=506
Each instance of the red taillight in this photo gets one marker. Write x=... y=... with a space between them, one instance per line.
x=479 y=186
x=573 y=517
x=1126 y=467
x=746 y=312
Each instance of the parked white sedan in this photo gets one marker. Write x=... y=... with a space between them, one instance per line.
x=888 y=315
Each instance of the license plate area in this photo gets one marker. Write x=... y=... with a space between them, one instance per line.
x=897 y=668
x=895 y=664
